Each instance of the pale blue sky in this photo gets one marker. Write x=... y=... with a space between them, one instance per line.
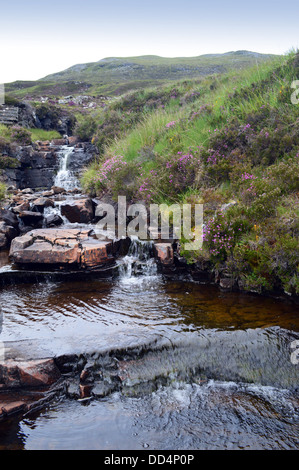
x=38 y=38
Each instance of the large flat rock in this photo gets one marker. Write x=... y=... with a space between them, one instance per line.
x=61 y=247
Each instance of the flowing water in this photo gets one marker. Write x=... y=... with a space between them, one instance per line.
x=207 y=370
x=201 y=369
x=65 y=178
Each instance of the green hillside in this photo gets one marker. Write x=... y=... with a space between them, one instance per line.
x=116 y=75
x=229 y=141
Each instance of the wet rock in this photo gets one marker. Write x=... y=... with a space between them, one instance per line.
x=24 y=206
x=7 y=233
x=226 y=283
x=31 y=218
x=27 y=191
x=48 y=193
x=9 y=218
x=53 y=220
x=102 y=389
x=29 y=374
x=85 y=391
x=61 y=247
x=165 y=254
x=80 y=210
x=41 y=203
x=57 y=190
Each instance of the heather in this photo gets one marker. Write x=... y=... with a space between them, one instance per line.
x=230 y=142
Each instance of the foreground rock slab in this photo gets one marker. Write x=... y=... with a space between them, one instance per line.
x=61 y=247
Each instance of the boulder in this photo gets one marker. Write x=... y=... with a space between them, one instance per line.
x=61 y=248
x=40 y=203
x=9 y=218
x=7 y=233
x=53 y=220
x=80 y=210
x=31 y=218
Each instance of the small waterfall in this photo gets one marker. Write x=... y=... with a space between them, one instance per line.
x=65 y=178
x=139 y=261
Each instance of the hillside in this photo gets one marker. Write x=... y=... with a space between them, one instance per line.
x=116 y=75
x=229 y=142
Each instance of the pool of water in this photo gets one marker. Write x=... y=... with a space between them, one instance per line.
x=225 y=359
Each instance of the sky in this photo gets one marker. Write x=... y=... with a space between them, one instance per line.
x=39 y=38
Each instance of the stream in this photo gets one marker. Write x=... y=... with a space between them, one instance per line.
x=203 y=369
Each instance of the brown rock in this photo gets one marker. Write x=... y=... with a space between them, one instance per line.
x=42 y=202
x=60 y=247
x=94 y=253
x=164 y=252
x=85 y=391
x=13 y=407
x=24 y=206
x=80 y=210
x=29 y=374
x=57 y=190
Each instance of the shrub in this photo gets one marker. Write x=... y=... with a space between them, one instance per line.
x=20 y=135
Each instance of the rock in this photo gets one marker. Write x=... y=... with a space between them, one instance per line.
x=61 y=247
x=80 y=210
x=29 y=374
x=27 y=191
x=164 y=253
x=58 y=141
x=42 y=202
x=3 y=241
x=53 y=220
x=31 y=218
x=9 y=218
x=85 y=391
x=57 y=190
x=7 y=233
x=226 y=283
x=48 y=193
x=24 y=206
x=73 y=140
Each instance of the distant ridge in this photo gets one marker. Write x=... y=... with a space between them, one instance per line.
x=114 y=75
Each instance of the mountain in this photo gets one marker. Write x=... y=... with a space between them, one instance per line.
x=115 y=75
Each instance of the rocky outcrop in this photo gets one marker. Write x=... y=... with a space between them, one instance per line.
x=61 y=248
x=35 y=166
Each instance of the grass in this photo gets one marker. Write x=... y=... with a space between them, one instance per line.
x=116 y=76
x=41 y=134
x=233 y=138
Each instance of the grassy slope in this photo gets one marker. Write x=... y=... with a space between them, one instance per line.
x=238 y=136
x=115 y=76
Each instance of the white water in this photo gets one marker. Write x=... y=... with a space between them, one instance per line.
x=65 y=178
x=139 y=262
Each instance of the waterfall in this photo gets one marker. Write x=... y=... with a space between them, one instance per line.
x=139 y=261
x=65 y=177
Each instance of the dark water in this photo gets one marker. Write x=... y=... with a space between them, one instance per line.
x=216 y=371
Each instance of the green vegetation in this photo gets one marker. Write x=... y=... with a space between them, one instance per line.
x=2 y=191
x=23 y=136
x=41 y=134
x=229 y=141
x=118 y=75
